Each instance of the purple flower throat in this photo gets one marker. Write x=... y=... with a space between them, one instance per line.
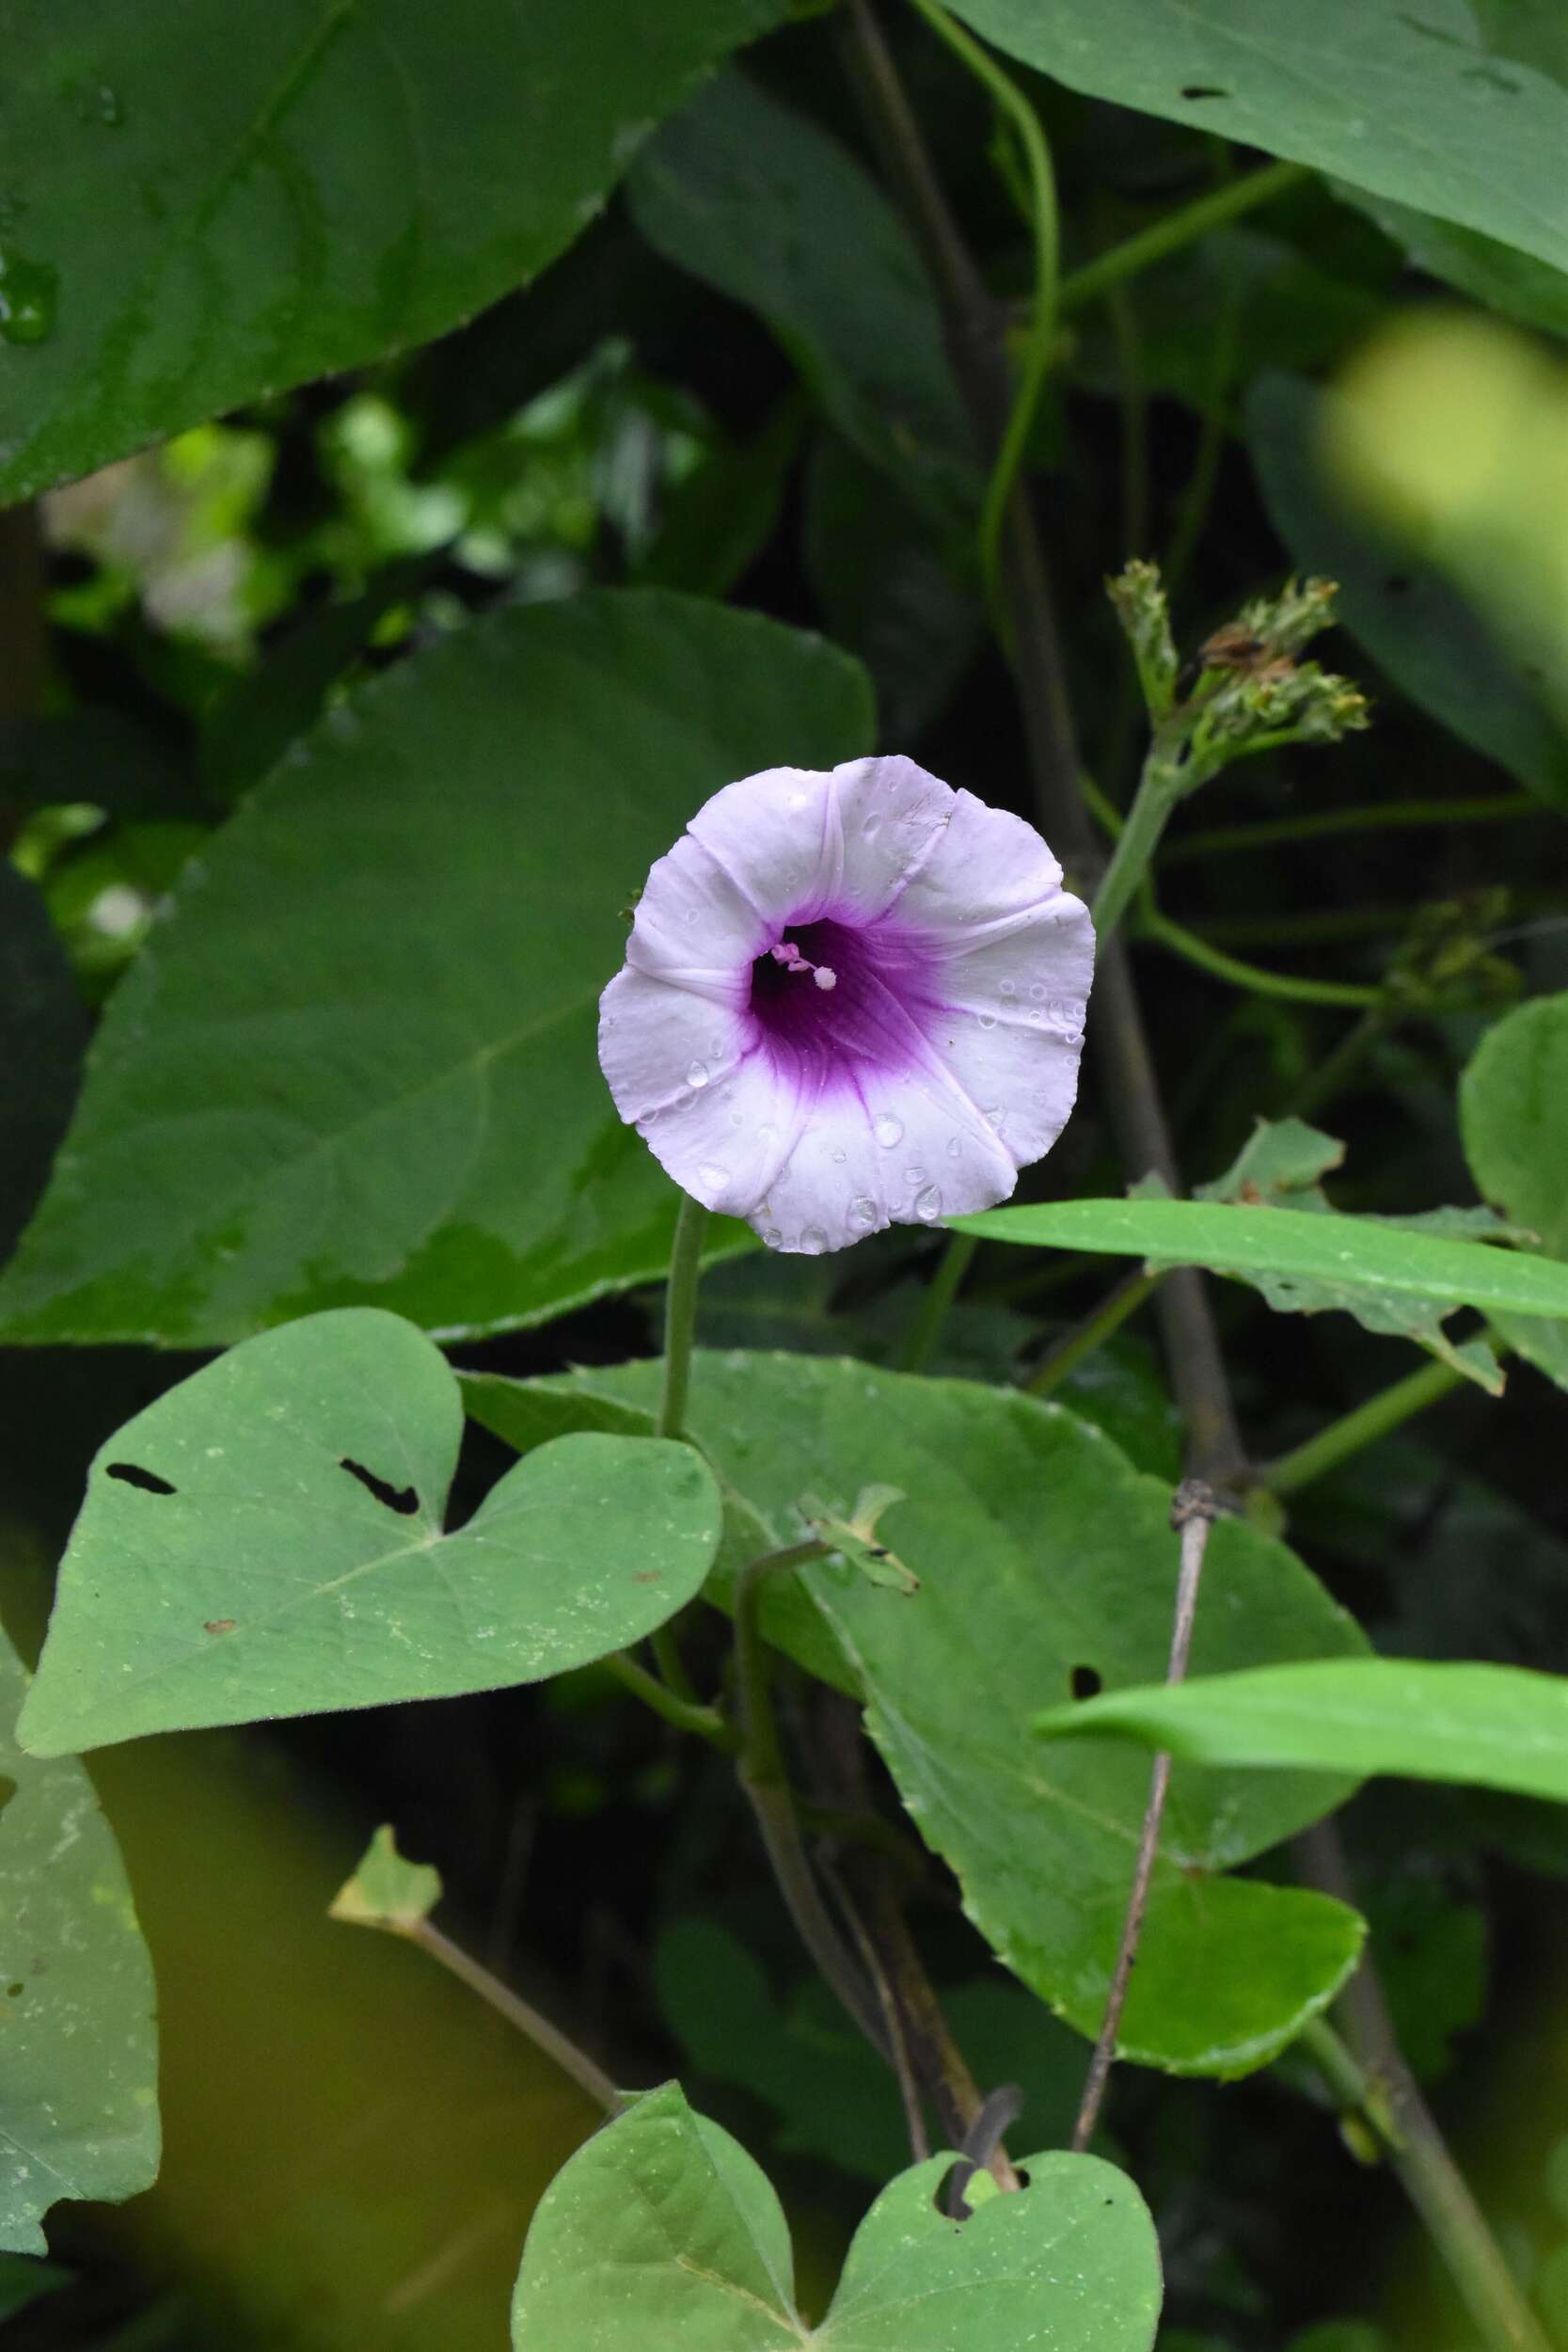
x=833 y=998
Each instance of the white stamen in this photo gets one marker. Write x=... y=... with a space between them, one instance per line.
x=825 y=976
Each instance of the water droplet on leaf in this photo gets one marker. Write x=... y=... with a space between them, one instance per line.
x=29 y=292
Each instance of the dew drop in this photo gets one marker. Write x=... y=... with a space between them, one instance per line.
x=955 y=1148
x=839 y=1158
x=915 y=1175
x=1039 y=992
x=986 y=1020
x=927 y=1205
x=996 y=1121
x=697 y=1074
x=28 y=295
x=692 y=915
x=813 y=1241
x=887 y=1130
x=710 y=1173
x=1008 y=989
x=870 y=828
x=772 y=1237
x=862 y=1212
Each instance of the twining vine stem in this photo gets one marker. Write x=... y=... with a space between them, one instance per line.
x=680 y=1325
x=1193 y=1514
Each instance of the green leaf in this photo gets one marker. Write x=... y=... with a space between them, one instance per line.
x=266 y=1539
x=758 y=201
x=387 y=1890
x=1045 y=1563
x=1421 y=631
x=1384 y=1260
x=1499 y=1727
x=1513 y=1119
x=23 y=2279
x=1498 y=275
x=44 y=1033
x=78 y=2090
x=888 y=587
x=1278 y=1167
x=661 y=2234
x=1412 y=105
x=348 y=184
x=320 y=1083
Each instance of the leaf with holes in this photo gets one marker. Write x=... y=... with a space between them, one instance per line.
x=1415 y=103
x=662 y=2236
x=316 y=1092
x=266 y=1539
x=1046 y=1566
x=352 y=182
x=1513 y=1117
x=79 y=2083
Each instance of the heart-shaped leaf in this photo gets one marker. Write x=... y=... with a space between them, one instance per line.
x=306 y=1097
x=78 y=2082
x=1046 y=1569
x=267 y=1539
x=1513 y=1117
x=662 y=2236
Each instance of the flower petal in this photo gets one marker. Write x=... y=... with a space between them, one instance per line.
x=1015 y=1034
x=715 y=1114
x=884 y=819
x=988 y=869
x=765 y=838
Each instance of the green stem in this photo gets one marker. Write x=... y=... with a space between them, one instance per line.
x=680 y=1316
x=680 y=1323
x=1252 y=976
x=1095 y=1329
x=941 y=1291
x=1157 y=795
x=685 y=1714
x=764 y=1778
x=1371 y=2063
x=1366 y=817
x=1183 y=227
x=1353 y=1431
x=1036 y=358
x=1339 y=2068
x=518 y=2012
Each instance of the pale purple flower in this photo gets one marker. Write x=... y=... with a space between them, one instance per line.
x=851 y=999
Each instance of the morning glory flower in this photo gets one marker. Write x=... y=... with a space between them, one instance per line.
x=851 y=999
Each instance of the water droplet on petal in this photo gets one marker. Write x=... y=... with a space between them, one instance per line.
x=986 y=1020
x=692 y=915
x=710 y=1173
x=996 y=1121
x=772 y=1237
x=915 y=1175
x=927 y=1205
x=1039 y=992
x=840 y=1158
x=1008 y=989
x=697 y=1074
x=813 y=1241
x=954 y=1148
x=887 y=1130
x=868 y=831
x=862 y=1212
